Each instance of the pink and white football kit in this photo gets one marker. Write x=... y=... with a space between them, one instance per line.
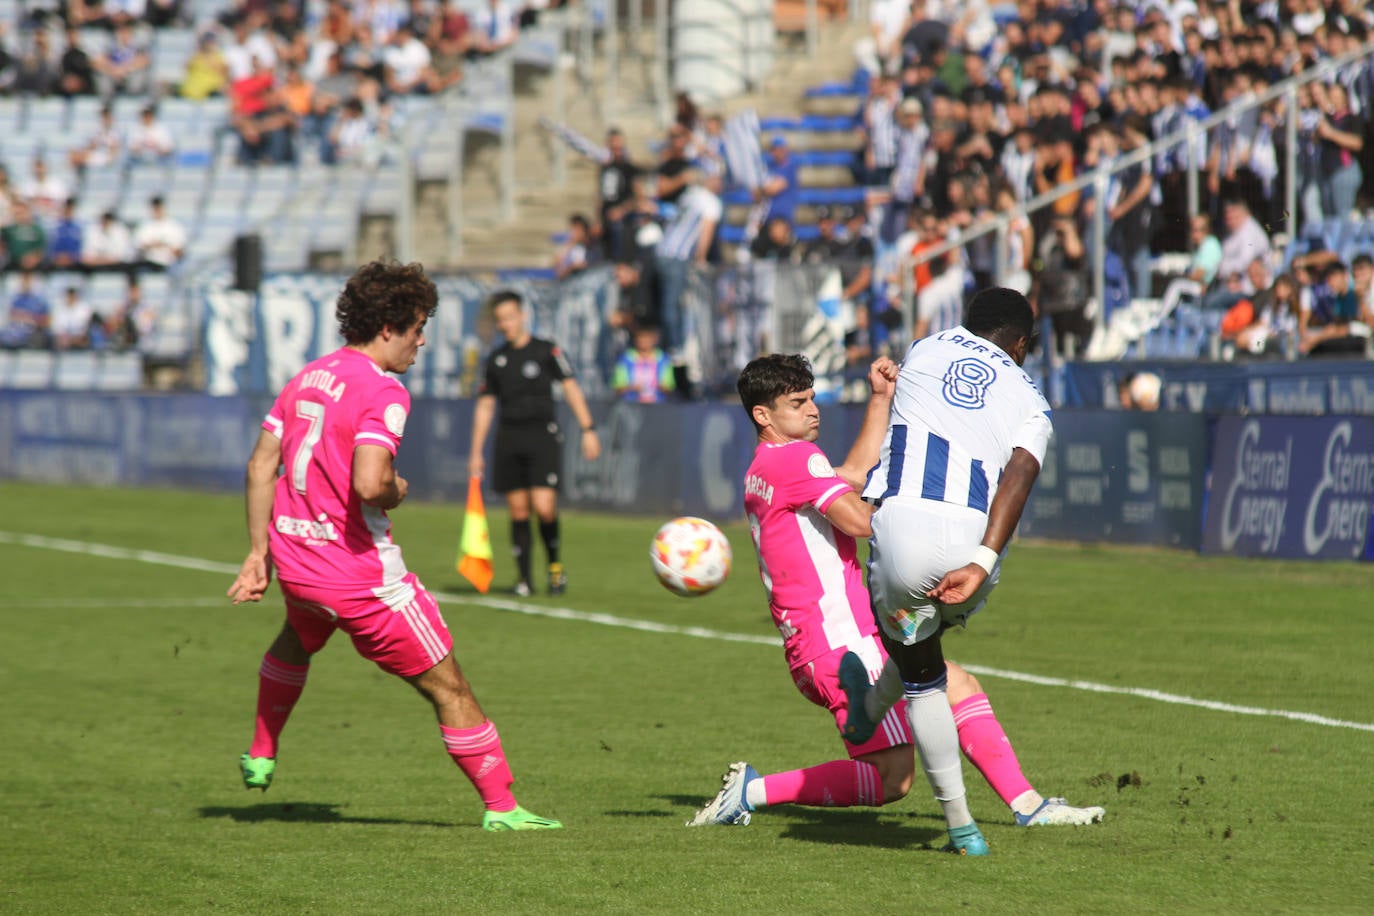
x=811 y=572
x=334 y=556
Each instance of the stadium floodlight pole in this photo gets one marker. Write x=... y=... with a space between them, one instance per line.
x=1290 y=192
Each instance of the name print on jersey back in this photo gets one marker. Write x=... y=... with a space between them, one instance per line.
x=961 y=406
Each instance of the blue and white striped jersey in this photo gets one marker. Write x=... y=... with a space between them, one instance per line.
x=961 y=406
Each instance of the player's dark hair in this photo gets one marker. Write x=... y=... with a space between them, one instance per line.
x=1000 y=312
x=501 y=297
x=768 y=378
x=384 y=294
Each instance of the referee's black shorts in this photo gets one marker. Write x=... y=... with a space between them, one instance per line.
x=527 y=455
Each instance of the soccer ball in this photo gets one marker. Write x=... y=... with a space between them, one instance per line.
x=690 y=555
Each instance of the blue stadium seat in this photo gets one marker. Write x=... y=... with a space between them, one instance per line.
x=846 y=158
x=32 y=369
x=831 y=197
x=732 y=235
x=120 y=372
x=76 y=370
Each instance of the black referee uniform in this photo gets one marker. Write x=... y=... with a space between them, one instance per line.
x=529 y=444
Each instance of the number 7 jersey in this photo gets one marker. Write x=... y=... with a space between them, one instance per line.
x=961 y=406
x=322 y=535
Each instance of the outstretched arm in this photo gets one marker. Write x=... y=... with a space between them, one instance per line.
x=259 y=484
x=958 y=585
x=863 y=455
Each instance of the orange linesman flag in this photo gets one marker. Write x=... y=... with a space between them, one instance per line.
x=474 y=545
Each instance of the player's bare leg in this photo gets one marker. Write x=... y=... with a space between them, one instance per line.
x=473 y=743
x=987 y=747
x=544 y=501
x=281 y=680
x=521 y=544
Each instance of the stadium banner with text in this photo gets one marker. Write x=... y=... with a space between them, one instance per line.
x=1133 y=478
x=254 y=343
x=1296 y=487
x=1109 y=476
x=1313 y=386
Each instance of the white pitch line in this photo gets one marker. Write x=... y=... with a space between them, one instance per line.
x=111 y=552
x=106 y=603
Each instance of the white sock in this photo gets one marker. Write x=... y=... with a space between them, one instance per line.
x=937 y=742
x=886 y=691
x=755 y=795
x=1027 y=802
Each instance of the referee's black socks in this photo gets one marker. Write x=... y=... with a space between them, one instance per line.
x=548 y=532
x=521 y=542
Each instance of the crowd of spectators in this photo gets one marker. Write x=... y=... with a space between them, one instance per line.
x=969 y=115
x=44 y=246
x=298 y=74
x=971 y=110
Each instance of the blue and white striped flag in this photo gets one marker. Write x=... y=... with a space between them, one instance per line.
x=744 y=157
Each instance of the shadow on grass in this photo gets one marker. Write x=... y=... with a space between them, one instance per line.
x=303 y=812
x=859 y=828
x=853 y=827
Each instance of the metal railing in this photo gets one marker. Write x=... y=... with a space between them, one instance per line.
x=1098 y=179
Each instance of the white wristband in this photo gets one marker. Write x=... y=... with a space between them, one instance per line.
x=985 y=557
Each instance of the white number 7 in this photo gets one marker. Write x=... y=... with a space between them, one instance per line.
x=307 y=410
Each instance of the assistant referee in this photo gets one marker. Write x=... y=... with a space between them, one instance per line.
x=529 y=445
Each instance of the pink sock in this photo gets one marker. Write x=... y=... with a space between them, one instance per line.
x=837 y=784
x=986 y=746
x=279 y=687
x=478 y=753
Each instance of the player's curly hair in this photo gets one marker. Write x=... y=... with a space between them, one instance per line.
x=768 y=378
x=384 y=294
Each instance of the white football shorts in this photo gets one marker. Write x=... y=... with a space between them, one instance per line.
x=915 y=542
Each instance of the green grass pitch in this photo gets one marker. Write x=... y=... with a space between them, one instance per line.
x=129 y=687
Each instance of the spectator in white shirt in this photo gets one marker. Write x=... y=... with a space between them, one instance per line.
x=150 y=141
x=102 y=148
x=107 y=243
x=71 y=322
x=1245 y=239
x=349 y=137
x=160 y=240
x=248 y=43
x=495 y=27
x=409 y=66
x=45 y=193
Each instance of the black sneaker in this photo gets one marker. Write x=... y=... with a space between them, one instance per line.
x=558 y=580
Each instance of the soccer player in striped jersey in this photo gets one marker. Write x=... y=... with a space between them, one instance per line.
x=804 y=516
x=323 y=526
x=967 y=432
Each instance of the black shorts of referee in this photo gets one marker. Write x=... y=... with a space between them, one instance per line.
x=527 y=455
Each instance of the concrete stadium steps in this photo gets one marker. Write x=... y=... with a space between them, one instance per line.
x=542 y=209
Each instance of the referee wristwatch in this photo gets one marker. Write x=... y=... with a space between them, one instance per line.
x=589 y=428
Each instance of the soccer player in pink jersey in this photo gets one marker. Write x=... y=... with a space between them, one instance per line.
x=804 y=516
x=322 y=524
